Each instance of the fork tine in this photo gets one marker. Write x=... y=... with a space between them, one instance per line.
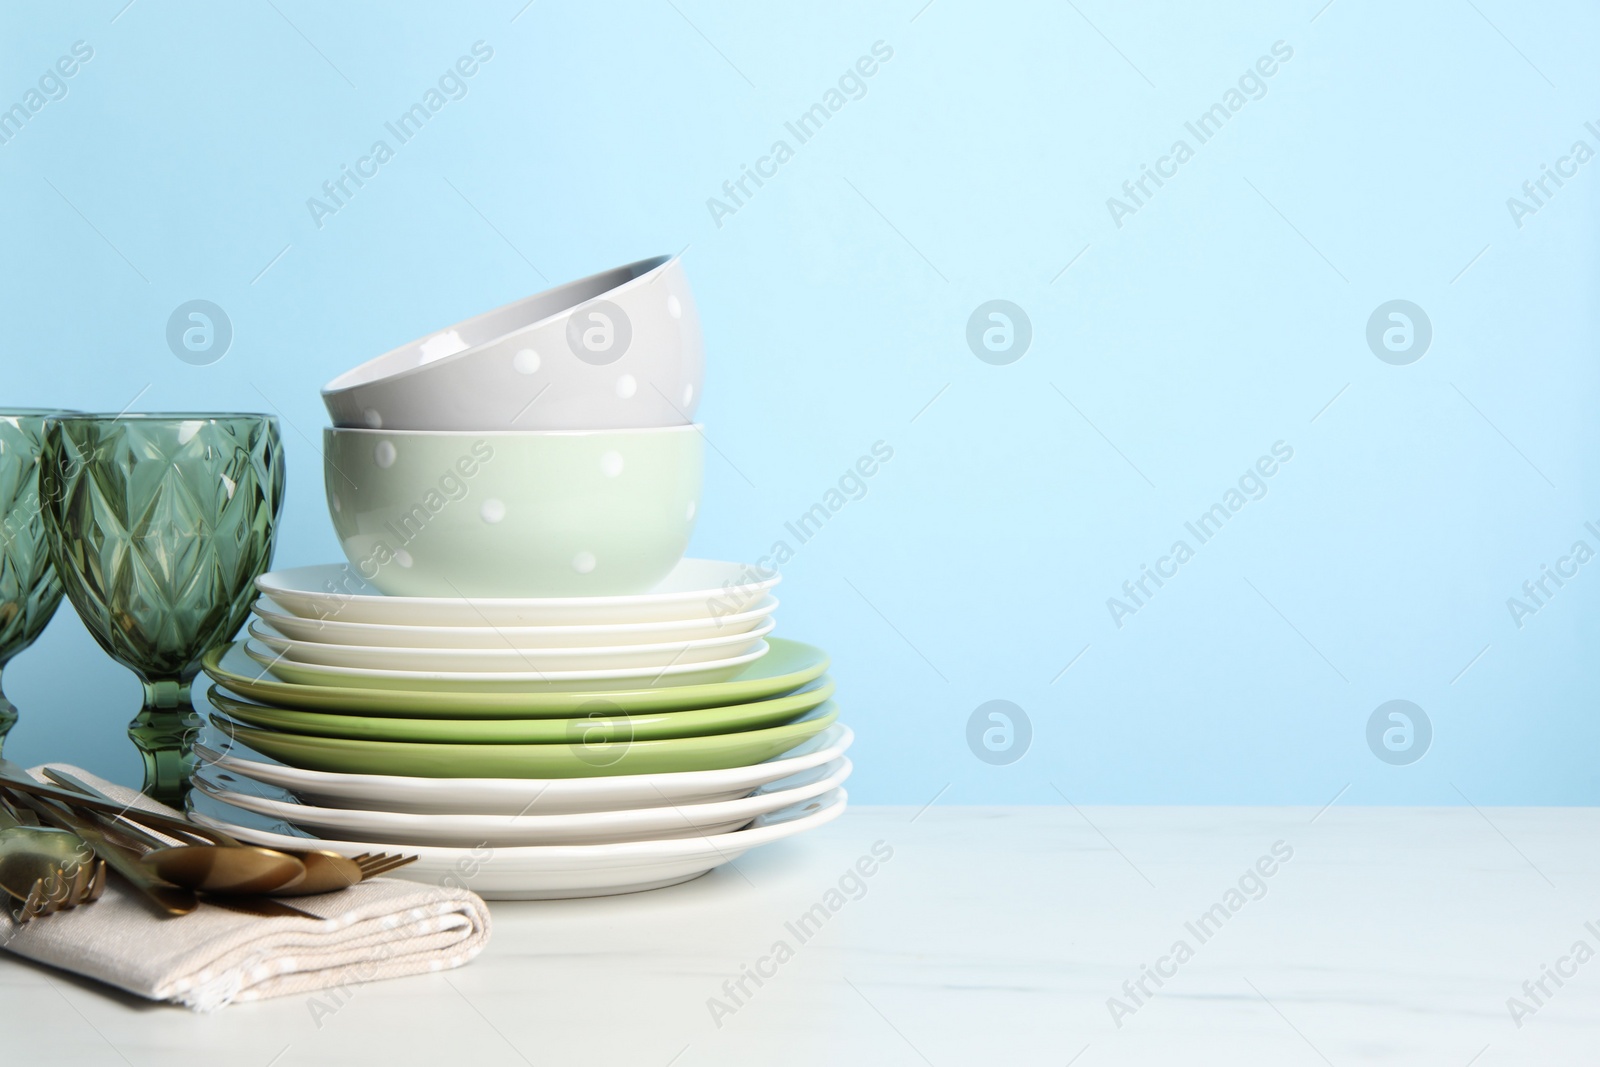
x=54 y=892
x=62 y=891
x=372 y=869
x=80 y=885
x=60 y=888
x=97 y=881
x=49 y=897
x=377 y=872
x=377 y=860
x=386 y=867
x=30 y=907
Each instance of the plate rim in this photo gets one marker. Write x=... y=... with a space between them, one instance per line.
x=765 y=609
x=824 y=685
x=758 y=633
x=828 y=709
x=661 y=849
x=844 y=739
x=263 y=581
x=730 y=808
x=599 y=675
x=330 y=697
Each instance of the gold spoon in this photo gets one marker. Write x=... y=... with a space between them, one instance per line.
x=233 y=870
x=320 y=871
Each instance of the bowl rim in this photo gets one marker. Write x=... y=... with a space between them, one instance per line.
x=61 y=415
x=640 y=273
x=620 y=432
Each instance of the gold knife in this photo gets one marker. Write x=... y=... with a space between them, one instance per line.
x=16 y=780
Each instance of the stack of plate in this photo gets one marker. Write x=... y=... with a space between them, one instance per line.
x=518 y=676
x=526 y=748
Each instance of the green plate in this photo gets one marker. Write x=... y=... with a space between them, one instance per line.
x=597 y=759
x=641 y=726
x=787 y=666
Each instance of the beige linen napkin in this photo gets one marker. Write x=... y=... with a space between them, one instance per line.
x=381 y=928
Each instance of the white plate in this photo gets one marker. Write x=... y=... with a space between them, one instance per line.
x=547 y=872
x=523 y=796
x=697 y=589
x=503 y=831
x=378 y=635
x=453 y=660
x=719 y=670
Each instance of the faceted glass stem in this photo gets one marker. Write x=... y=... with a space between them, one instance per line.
x=8 y=715
x=164 y=733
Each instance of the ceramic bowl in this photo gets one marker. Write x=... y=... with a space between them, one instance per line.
x=516 y=513
x=618 y=349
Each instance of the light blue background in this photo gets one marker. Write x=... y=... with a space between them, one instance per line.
x=1222 y=317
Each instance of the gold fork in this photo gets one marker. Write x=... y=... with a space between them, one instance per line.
x=367 y=864
x=73 y=881
x=49 y=896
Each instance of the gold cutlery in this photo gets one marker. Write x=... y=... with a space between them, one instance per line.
x=219 y=861
x=325 y=871
x=45 y=869
x=249 y=904
x=244 y=870
x=195 y=860
x=167 y=898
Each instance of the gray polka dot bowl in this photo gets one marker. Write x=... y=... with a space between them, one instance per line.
x=513 y=513
x=618 y=349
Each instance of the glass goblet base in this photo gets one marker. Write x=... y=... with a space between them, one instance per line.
x=164 y=732
x=8 y=719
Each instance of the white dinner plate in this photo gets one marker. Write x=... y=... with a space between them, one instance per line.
x=516 y=660
x=545 y=872
x=504 y=831
x=522 y=796
x=696 y=589
x=718 y=670
x=379 y=635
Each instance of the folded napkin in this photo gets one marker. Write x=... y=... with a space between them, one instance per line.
x=380 y=928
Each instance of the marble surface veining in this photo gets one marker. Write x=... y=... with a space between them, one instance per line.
x=1003 y=936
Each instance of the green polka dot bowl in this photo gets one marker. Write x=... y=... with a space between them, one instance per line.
x=513 y=513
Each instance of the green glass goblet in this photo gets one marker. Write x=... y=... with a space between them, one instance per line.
x=29 y=588
x=158 y=526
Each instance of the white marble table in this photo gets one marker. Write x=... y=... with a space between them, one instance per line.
x=992 y=936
